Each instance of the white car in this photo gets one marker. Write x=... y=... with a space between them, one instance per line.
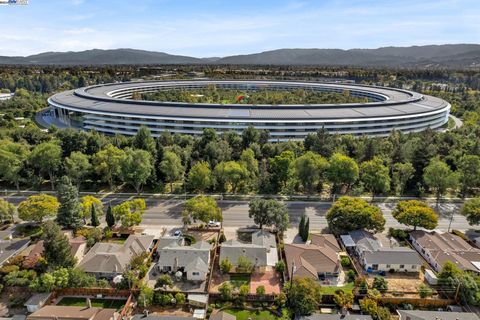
x=177 y=233
x=213 y=224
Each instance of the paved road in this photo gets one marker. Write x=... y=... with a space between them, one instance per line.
x=235 y=213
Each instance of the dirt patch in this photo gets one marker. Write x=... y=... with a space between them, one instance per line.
x=405 y=283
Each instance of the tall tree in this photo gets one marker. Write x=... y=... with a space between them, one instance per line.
x=230 y=174
x=374 y=176
x=109 y=217
x=416 y=213
x=280 y=169
x=202 y=208
x=310 y=169
x=37 y=207
x=301 y=226
x=57 y=251
x=349 y=214
x=107 y=164
x=402 y=173
x=171 y=168
x=94 y=217
x=13 y=157
x=200 y=177
x=7 y=211
x=304 y=296
x=77 y=167
x=129 y=213
x=471 y=210
x=469 y=172
x=47 y=158
x=439 y=177
x=69 y=212
x=86 y=204
x=269 y=212
x=342 y=171
x=137 y=166
x=143 y=140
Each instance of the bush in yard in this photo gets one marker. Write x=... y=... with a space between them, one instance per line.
x=281 y=299
x=345 y=261
x=226 y=266
x=362 y=285
x=164 y=281
x=243 y=291
x=280 y=266
x=399 y=234
x=244 y=265
x=163 y=299
x=222 y=238
x=226 y=291
x=380 y=284
x=261 y=290
x=351 y=275
x=145 y=297
x=424 y=291
x=180 y=298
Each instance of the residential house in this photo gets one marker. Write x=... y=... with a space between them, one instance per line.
x=107 y=260
x=73 y=313
x=438 y=248
x=174 y=256
x=262 y=251
x=318 y=260
x=374 y=256
x=320 y=316
x=435 y=315
x=78 y=247
x=160 y=317
x=37 y=301
x=10 y=248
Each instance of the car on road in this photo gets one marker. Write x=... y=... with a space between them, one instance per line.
x=213 y=224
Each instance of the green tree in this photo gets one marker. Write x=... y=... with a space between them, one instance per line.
x=269 y=212
x=301 y=227
x=471 y=210
x=304 y=296
x=244 y=265
x=143 y=140
x=380 y=284
x=136 y=168
x=469 y=173
x=310 y=169
x=145 y=296
x=200 y=177
x=109 y=217
x=343 y=299
x=86 y=204
x=69 y=212
x=439 y=177
x=348 y=214
x=248 y=161
x=374 y=176
x=107 y=164
x=94 y=217
x=203 y=208
x=342 y=171
x=37 y=207
x=250 y=135
x=57 y=251
x=7 y=211
x=226 y=266
x=226 y=291
x=243 y=291
x=280 y=168
x=129 y=213
x=46 y=158
x=416 y=213
x=171 y=168
x=13 y=157
x=164 y=281
x=402 y=173
x=230 y=174
x=77 y=167
x=260 y=290
x=424 y=291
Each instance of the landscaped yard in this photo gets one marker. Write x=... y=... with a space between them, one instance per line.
x=254 y=315
x=331 y=289
x=97 y=303
x=238 y=280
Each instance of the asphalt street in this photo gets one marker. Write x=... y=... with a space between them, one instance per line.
x=161 y=212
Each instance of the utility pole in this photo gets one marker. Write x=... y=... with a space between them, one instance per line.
x=451 y=219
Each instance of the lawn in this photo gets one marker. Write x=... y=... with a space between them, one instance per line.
x=238 y=280
x=254 y=315
x=331 y=290
x=97 y=303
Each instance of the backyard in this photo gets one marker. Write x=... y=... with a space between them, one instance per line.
x=253 y=315
x=97 y=303
x=238 y=280
x=330 y=290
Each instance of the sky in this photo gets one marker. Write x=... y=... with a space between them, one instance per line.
x=212 y=28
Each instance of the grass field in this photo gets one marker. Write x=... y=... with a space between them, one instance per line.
x=97 y=303
x=331 y=290
x=239 y=280
x=246 y=314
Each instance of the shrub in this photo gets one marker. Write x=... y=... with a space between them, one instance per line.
x=399 y=234
x=350 y=275
x=226 y=290
x=108 y=234
x=280 y=266
x=222 y=238
x=226 y=266
x=345 y=261
x=424 y=291
x=103 y=283
x=7 y=269
x=244 y=290
x=189 y=239
x=261 y=290
x=244 y=265
x=180 y=298
x=380 y=284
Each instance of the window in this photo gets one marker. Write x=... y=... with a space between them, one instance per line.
x=414 y=266
x=195 y=273
x=388 y=266
x=375 y=266
x=402 y=266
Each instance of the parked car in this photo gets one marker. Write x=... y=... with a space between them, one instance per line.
x=213 y=224
x=177 y=233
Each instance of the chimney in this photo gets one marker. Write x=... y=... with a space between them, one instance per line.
x=89 y=303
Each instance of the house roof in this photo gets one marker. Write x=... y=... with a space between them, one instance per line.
x=233 y=249
x=325 y=240
x=399 y=255
x=10 y=248
x=310 y=260
x=319 y=316
x=153 y=317
x=197 y=264
x=264 y=238
x=364 y=240
x=113 y=257
x=445 y=247
x=436 y=315
x=74 y=313
x=38 y=299
x=222 y=315
x=185 y=256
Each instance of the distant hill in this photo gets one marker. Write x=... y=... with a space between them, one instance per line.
x=431 y=56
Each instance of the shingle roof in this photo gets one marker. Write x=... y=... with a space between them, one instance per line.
x=197 y=263
x=334 y=317
x=436 y=315
x=10 y=248
x=184 y=256
x=400 y=255
x=74 y=313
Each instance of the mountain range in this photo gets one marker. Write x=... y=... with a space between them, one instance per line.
x=429 y=56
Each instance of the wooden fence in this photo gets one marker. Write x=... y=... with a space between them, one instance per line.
x=110 y=292
x=417 y=302
x=249 y=298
